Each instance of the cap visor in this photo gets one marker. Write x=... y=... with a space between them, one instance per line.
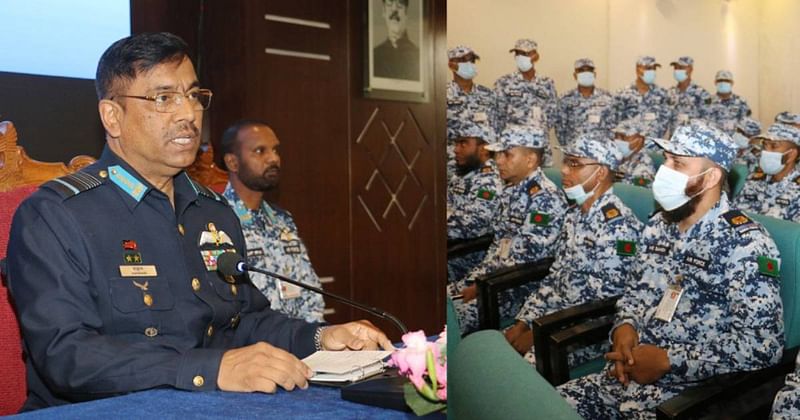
x=495 y=147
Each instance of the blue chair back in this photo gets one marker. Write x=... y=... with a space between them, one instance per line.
x=737 y=177
x=554 y=173
x=639 y=199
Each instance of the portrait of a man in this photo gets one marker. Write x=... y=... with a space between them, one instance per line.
x=397 y=57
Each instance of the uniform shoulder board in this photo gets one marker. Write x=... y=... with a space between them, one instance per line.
x=739 y=221
x=73 y=184
x=208 y=192
x=534 y=188
x=486 y=170
x=797 y=180
x=758 y=175
x=610 y=212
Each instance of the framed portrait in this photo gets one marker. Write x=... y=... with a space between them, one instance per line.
x=398 y=50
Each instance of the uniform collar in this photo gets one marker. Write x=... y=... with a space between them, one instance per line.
x=240 y=208
x=707 y=221
x=604 y=198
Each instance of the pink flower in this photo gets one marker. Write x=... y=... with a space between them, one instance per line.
x=411 y=359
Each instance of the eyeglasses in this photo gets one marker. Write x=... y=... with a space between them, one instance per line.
x=576 y=164
x=169 y=102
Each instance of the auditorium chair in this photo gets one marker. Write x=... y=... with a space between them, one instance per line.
x=19 y=177
x=736 y=178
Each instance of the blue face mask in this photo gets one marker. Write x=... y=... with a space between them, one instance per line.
x=624 y=147
x=467 y=70
x=724 y=87
x=586 y=78
x=649 y=76
x=680 y=75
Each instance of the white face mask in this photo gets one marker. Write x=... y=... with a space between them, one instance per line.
x=624 y=147
x=680 y=75
x=669 y=187
x=586 y=78
x=771 y=162
x=741 y=140
x=577 y=194
x=524 y=63
x=466 y=70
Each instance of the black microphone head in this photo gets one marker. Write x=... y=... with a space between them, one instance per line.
x=228 y=264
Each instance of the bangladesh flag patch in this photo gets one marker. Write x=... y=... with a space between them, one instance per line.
x=626 y=248
x=641 y=181
x=768 y=267
x=485 y=194
x=539 y=219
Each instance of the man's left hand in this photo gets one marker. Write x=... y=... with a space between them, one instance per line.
x=651 y=363
x=358 y=335
x=469 y=292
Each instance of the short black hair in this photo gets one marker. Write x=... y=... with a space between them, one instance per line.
x=230 y=137
x=405 y=2
x=128 y=57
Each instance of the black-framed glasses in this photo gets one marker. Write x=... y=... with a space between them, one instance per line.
x=574 y=164
x=169 y=102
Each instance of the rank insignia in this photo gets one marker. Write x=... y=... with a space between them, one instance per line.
x=485 y=194
x=626 y=248
x=539 y=219
x=610 y=212
x=534 y=188
x=486 y=170
x=768 y=266
x=132 y=257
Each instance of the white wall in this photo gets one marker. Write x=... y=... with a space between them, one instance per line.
x=756 y=39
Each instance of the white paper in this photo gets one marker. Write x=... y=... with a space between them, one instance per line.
x=341 y=362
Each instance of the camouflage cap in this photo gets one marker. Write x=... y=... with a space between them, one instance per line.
x=782 y=132
x=519 y=135
x=683 y=61
x=595 y=148
x=525 y=45
x=787 y=117
x=723 y=75
x=647 y=60
x=477 y=130
x=698 y=138
x=631 y=126
x=460 y=51
x=749 y=126
x=584 y=62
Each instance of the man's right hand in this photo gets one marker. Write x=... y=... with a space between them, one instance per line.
x=261 y=367
x=520 y=337
x=625 y=339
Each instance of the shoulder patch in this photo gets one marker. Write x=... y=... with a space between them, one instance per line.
x=641 y=181
x=73 y=184
x=768 y=266
x=626 y=248
x=610 y=212
x=488 y=170
x=739 y=221
x=485 y=194
x=534 y=188
x=539 y=219
x=759 y=175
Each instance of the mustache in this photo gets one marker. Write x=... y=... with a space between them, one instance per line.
x=270 y=168
x=185 y=129
x=395 y=16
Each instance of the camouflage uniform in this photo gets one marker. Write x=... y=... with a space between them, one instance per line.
x=471 y=202
x=687 y=104
x=729 y=317
x=787 y=402
x=465 y=108
x=748 y=155
x=637 y=168
x=725 y=113
x=580 y=115
x=526 y=226
x=594 y=250
x=273 y=244
x=653 y=108
x=779 y=199
x=527 y=102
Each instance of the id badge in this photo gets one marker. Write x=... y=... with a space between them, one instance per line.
x=505 y=247
x=536 y=114
x=593 y=119
x=669 y=303
x=288 y=291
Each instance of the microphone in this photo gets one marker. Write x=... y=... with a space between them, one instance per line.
x=232 y=264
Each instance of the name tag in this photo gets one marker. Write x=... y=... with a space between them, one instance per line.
x=649 y=116
x=682 y=118
x=588 y=242
x=698 y=262
x=593 y=119
x=138 y=271
x=288 y=291
x=782 y=201
x=669 y=303
x=657 y=249
x=292 y=247
x=480 y=117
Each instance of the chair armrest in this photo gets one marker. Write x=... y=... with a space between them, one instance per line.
x=592 y=331
x=460 y=247
x=545 y=326
x=491 y=285
x=725 y=393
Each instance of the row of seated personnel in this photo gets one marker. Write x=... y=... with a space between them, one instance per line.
x=699 y=283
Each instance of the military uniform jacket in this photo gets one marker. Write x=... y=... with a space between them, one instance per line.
x=688 y=104
x=787 y=402
x=527 y=223
x=652 y=107
x=114 y=292
x=725 y=113
x=593 y=256
x=730 y=316
x=477 y=106
x=638 y=169
x=776 y=199
x=526 y=102
x=273 y=244
x=472 y=201
x=579 y=115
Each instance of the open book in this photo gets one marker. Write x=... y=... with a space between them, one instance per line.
x=345 y=366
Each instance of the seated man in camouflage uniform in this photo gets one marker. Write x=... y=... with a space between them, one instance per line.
x=637 y=166
x=471 y=194
x=787 y=402
x=596 y=245
x=746 y=139
x=585 y=109
x=250 y=153
x=526 y=223
x=704 y=293
x=774 y=188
